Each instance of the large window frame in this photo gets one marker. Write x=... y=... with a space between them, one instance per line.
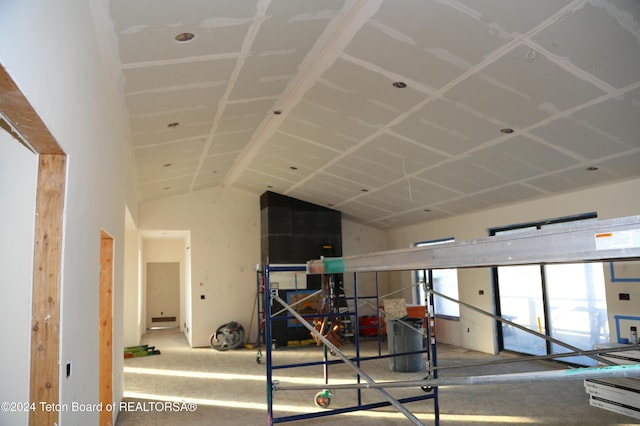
x=549 y=296
x=444 y=281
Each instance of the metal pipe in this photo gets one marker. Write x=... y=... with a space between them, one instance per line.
x=602 y=352
x=610 y=371
x=520 y=327
x=342 y=356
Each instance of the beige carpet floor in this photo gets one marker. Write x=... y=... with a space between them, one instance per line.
x=202 y=386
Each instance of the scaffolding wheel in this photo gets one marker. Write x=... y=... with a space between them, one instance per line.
x=323 y=398
x=259 y=357
x=427 y=388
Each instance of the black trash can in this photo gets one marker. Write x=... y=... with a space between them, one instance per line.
x=404 y=336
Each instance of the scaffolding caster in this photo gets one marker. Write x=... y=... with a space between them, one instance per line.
x=323 y=398
x=259 y=356
x=427 y=389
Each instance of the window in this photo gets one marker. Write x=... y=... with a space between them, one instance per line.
x=445 y=281
x=565 y=301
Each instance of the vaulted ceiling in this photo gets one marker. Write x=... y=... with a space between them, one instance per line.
x=393 y=112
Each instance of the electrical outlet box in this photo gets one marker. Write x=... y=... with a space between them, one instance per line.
x=624 y=296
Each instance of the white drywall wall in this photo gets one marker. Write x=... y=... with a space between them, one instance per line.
x=60 y=55
x=18 y=174
x=225 y=247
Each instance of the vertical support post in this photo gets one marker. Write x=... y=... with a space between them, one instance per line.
x=267 y=338
x=357 y=330
x=45 y=315
x=433 y=355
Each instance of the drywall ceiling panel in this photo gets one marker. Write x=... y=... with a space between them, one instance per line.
x=329 y=136
x=400 y=155
x=505 y=105
x=276 y=165
x=504 y=163
x=298 y=148
x=331 y=120
x=602 y=38
x=416 y=193
x=625 y=166
x=509 y=18
x=294 y=25
x=170 y=135
x=580 y=177
x=541 y=155
x=509 y=194
x=370 y=83
x=463 y=205
x=381 y=200
x=426 y=38
x=266 y=74
x=482 y=176
x=371 y=114
x=145 y=26
x=447 y=175
x=331 y=184
x=174 y=76
x=297 y=153
x=535 y=80
x=366 y=174
x=244 y=116
x=357 y=207
x=230 y=141
x=463 y=127
x=600 y=130
x=166 y=188
x=159 y=155
x=409 y=217
x=552 y=184
x=162 y=102
x=185 y=118
x=260 y=182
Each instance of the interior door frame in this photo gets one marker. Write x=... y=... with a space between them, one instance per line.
x=44 y=377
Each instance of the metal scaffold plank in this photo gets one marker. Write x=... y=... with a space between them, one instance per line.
x=604 y=240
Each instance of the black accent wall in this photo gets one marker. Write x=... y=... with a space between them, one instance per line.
x=293 y=232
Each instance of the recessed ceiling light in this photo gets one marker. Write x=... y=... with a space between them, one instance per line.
x=270 y=186
x=166 y=188
x=167 y=165
x=173 y=125
x=427 y=210
x=277 y=112
x=184 y=37
x=293 y=167
x=399 y=84
x=591 y=169
x=506 y=130
x=330 y=205
x=364 y=190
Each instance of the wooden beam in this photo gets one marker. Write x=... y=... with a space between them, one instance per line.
x=106 y=327
x=44 y=376
x=17 y=109
x=47 y=261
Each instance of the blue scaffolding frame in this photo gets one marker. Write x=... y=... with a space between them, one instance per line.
x=265 y=320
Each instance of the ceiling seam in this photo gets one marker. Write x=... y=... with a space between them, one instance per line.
x=261 y=9
x=490 y=59
x=301 y=86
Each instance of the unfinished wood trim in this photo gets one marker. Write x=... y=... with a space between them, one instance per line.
x=44 y=378
x=106 y=327
x=17 y=109
x=47 y=261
